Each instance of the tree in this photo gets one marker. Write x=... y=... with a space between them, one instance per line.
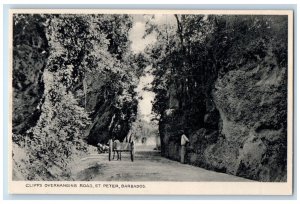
x=189 y=56
x=86 y=54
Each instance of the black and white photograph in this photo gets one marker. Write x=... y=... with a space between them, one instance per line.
x=134 y=100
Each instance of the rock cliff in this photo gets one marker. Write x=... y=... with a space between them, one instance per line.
x=30 y=52
x=232 y=102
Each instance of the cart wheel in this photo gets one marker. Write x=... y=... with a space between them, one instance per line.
x=110 y=151
x=132 y=151
x=132 y=155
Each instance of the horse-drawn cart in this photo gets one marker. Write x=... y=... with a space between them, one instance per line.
x=119 y=147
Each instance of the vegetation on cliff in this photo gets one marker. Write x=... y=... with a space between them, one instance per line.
x=223 y=79
x=82 y=77
x=220 y=78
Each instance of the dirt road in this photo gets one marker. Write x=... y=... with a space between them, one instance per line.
x=148 y=166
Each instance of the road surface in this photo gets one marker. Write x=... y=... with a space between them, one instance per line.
x=147 y=166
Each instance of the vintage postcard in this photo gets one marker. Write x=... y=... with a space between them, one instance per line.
x=151 y=102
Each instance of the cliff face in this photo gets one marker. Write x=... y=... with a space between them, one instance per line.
x=73 y=84
x=30 y=51
x=235 y=112
x=88 y=72
x=252 y=103
x=244 y=131
x=107 y=120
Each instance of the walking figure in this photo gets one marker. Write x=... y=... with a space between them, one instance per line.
x=183 y=142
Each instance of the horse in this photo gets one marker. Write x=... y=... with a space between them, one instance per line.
x=117 y=147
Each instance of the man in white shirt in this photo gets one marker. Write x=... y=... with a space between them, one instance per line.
x=183 y=142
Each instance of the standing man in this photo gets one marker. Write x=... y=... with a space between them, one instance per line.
x=183 y=142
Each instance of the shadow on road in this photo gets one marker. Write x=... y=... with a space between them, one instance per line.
x=147 y=166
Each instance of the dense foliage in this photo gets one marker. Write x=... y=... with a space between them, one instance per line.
x=198 y=49
x=29 y=59
x=223 y=79
x=82 y=50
